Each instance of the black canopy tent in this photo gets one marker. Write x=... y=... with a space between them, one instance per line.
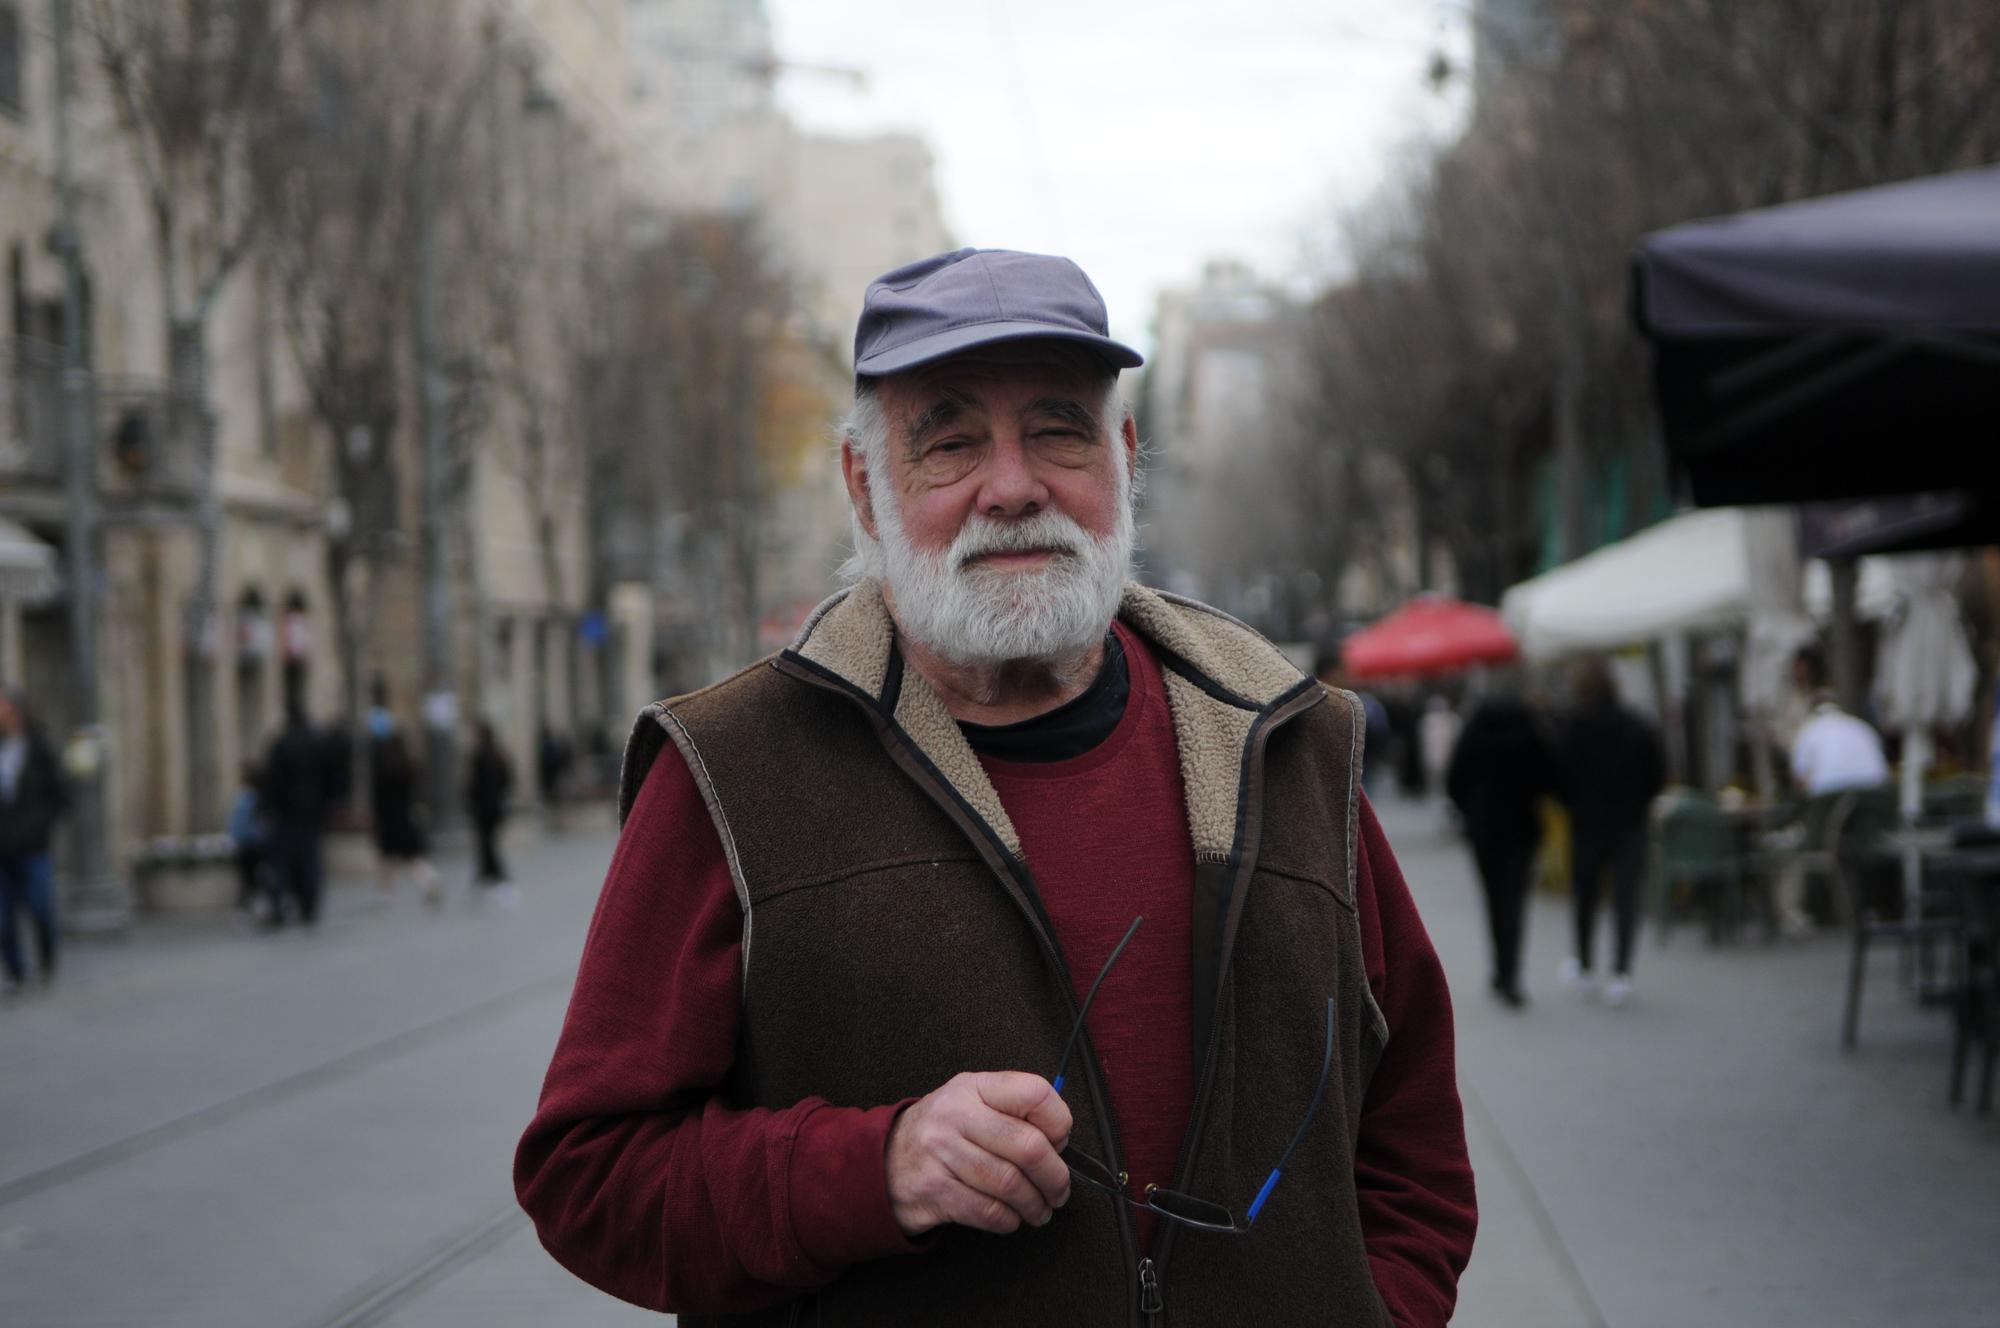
x=1841 y=348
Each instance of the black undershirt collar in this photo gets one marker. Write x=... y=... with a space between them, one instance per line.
x=1072 y=728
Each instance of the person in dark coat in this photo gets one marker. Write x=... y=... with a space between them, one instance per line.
x=1613 y=767
x=491 y=780
x=1500 y=770
x=552 y=762
x=303 y=780
x=401 y=847
x=33 y=797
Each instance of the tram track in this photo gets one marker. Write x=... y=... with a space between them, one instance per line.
x=380 y=1299
x=286 y=1089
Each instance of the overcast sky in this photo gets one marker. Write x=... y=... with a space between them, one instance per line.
x=1141 y=139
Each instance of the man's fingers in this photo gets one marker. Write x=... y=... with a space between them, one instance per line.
x=1024 y=1147
x=981 y=1151
x=987 y=1176
x=1027 y=1096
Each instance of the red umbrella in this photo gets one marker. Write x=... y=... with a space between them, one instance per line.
x=1430 y=634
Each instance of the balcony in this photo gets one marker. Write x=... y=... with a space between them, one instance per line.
x=150 y=439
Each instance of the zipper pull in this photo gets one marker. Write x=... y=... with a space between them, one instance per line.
x=1149 y=1288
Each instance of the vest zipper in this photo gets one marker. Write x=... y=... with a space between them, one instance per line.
x=1019 y=885
x=1150 y=1303
x=1163 y=1240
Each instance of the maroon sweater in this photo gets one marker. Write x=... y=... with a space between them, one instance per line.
x=644 y=1183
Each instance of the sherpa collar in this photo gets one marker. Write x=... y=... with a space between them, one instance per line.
x=1221 y=679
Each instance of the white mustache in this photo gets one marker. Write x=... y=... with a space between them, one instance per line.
x=1050 y=531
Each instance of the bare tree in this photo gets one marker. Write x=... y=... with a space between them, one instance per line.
x=1484 y=341
x=680 y=453
x=338 y=169
x=195 y=84
x=540 y=239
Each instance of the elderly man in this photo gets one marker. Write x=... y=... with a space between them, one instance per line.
x=994 y=952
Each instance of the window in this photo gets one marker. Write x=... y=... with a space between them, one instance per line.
x=10 y=59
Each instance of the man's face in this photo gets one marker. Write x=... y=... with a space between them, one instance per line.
x=10 y=718
x=1002 y=503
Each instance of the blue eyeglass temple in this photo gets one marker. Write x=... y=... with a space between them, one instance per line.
x=1319 y=1091
x=1063 y=1069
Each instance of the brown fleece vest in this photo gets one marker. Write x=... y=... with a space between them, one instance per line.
x=892 y=941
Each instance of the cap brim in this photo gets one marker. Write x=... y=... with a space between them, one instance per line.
x=957 y=340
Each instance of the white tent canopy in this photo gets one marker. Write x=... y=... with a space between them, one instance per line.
x=27 y=565
x=1689 y=573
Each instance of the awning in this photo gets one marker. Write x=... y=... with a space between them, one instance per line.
x=1838 y=348
x=1904 y=523
x=27 y=565
x=1689 y=573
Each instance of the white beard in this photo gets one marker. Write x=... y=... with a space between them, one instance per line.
x=982 y=617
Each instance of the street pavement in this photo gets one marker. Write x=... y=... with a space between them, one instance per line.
x=206 y=1127
x=1707 y=1154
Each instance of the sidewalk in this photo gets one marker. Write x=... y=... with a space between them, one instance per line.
x=1707 y=1155
x=224 y=1127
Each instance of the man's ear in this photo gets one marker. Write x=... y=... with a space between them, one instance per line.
x=854 y=471
x=1129 y=435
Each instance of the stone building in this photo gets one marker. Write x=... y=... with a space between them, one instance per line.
x=262 y=502
x=249 y=471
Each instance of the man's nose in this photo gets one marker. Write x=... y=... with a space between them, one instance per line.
x=1010 y=486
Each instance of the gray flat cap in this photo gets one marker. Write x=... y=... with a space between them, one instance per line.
x=945 y=305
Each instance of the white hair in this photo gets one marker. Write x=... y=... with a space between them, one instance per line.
x=974 y=616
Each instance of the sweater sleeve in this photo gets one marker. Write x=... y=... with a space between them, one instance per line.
x=1411 y=1168
x=641 y=1177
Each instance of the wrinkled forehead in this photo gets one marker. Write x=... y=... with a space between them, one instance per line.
x=1025 y=369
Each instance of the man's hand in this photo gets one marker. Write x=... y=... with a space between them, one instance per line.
x=982 y=1152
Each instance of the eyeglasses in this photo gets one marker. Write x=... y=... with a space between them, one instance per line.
x=1173 y=1205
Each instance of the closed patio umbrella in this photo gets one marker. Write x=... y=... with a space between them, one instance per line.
x=1924 y=670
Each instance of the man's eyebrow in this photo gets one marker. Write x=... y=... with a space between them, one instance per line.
x=950 y=404
x=1069 y=411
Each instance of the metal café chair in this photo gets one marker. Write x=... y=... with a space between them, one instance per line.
x=1869 y=888
x=1976 y=1013
x=1694 y=845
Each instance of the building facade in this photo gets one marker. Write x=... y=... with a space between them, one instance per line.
x=233 y=486
x=172 y=475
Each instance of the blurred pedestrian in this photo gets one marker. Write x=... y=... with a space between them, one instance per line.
x=1375 y=754
x=552 y=762
x=1437 y=734
x=1805 y=689
x=488 y=784
x=1501 y=768
x=401 y=847
x=1404 y=714
x=33 y=797
x=1612 y=767
x=303 y=778
x=251 y=837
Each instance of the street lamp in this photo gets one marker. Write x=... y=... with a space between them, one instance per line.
x=99 y=900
